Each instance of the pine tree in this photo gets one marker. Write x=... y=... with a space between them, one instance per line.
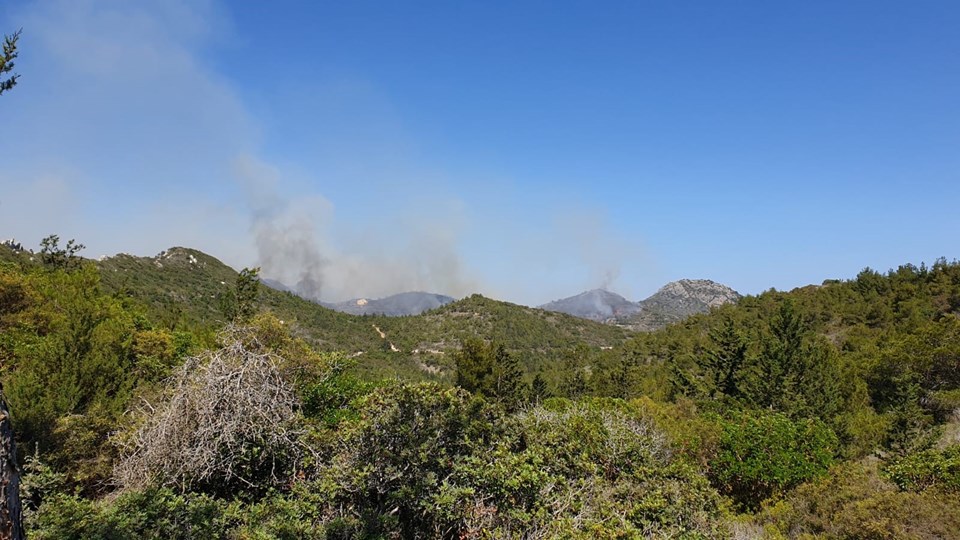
x=248 y=293
x=725 y=359
x=539 y=390
x=6 y=61
x=475 y=371
x=510 y=388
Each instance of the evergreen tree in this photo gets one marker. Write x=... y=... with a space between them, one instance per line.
x=6 y=61
x=539 y=390
x=725 y=359
x=57 y=258
x=248 y=293
x=795 y=373
x=475 y=367
x=510 y=388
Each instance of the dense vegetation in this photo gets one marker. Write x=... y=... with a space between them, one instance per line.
x=204 y=406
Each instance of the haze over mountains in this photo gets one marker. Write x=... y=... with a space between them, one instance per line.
x=396 y=305
x=673 y=302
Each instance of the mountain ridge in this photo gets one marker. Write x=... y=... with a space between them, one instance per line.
x=671 y=303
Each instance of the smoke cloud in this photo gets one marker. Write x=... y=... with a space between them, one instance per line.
x=195 y=169
x=296 y=244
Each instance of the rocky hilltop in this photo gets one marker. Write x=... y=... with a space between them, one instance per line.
x=673 y=302
x=678 y=300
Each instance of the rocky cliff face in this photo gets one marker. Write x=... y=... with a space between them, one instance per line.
x=678 y=300
x=673 y=302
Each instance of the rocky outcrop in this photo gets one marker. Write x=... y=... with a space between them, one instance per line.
x=678 y=300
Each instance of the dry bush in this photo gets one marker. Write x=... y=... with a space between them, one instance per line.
x=229 y=420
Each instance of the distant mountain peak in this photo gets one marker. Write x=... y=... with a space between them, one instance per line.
x=596 y=304
x=406 y=303
x=671 y=303
x=704 y=291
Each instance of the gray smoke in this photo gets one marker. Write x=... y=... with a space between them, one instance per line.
x=599 y=250
x=285 y=233
x=294 y=246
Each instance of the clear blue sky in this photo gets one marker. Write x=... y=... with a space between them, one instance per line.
x=526 y=150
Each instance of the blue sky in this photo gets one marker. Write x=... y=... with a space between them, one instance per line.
x=525 y=150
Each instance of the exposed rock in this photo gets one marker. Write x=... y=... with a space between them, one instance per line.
x=678 y=300
x=672 y=303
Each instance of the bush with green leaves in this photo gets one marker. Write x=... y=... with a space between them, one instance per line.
x=762 y=454
x=388 y=466
x=855 y=501
x=424 y=462
x=157 y=514
x=927 y=469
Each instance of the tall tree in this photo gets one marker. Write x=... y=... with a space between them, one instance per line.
x=490 y=370
x=11 y=526
x=725 y=359
x=796 y=372
x=510 y=387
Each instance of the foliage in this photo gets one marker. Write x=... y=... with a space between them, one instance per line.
x=425 y=463
x=762 y=454
x=140 y=515
x=489 y=370
x=6 y=61
x=390 y=464
x=53 y=256
x=329 y=434
x=853 y=501
x=932 y=468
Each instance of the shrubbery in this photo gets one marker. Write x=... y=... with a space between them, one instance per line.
x=763 y=454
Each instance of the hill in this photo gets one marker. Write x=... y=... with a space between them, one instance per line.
x=674 y=302
x=597 y=305
x=678 y=300
x=186 y=288
x=397 y=305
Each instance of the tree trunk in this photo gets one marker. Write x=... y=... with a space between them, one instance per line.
x=11 y=526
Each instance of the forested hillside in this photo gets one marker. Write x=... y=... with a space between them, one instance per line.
x=172 y=397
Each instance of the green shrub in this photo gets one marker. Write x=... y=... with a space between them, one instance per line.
x=854 y=501
x=762 y=454
x=147 y=515
x=927 y=469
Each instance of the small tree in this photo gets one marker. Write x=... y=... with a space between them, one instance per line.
x=248 y=293
x=57 y=258
x=491 y=371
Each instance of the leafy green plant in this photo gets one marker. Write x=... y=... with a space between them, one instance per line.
x=762 y=454
x=928 y=469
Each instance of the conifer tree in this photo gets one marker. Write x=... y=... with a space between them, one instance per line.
x=725 y=360
x=6 y=62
